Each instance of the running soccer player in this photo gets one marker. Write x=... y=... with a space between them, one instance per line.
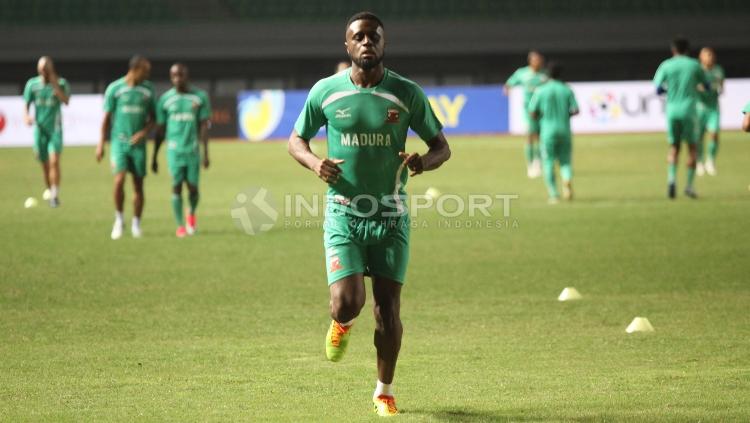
x=708 y=109
x=182 y=116
x=553 y=104
x=530 y=77
x=679 y=77
x=367 y=111
x=46 y=92
x=128 y=118
x=746 y=119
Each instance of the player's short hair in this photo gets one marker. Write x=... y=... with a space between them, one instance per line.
x=554 y=70
x=681 y=45
x=136 y=61
x=179 y=65
x=367 y=16
x=534 y=53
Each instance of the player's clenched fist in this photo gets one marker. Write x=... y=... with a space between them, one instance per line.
x=328 y=170
x=413 y=161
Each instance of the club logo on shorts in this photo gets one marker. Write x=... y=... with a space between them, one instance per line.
x=335 y=264
x=392 y=116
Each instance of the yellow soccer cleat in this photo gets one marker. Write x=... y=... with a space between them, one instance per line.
x=385 y=406
x=337 y=339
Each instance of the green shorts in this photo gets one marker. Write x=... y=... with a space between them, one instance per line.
x=184 y=167
x=709 y=119
x=47 y=142
x=683 y=128
x=371 y=246
x=126 y=158
x=531 y=123
x=556 y=147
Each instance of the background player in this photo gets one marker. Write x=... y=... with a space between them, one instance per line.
x=708 y=109
x=47 y=91
x=182 y=116
x=553 y=104
x=679 y=77
x=746 y=118
x=530 y=77
x=367 y=111
x=128 y=118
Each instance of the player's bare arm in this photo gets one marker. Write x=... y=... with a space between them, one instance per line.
x=746 y=123
x=158 y=139
x=27 y=115
x=438 y=153
x=327 y=169
x=106 y=125
x=205 y=124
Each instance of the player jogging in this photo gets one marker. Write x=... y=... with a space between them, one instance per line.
x=530 y=77
x=367 y=111
x=679 y=77
x=182 y=116
x=553 y=104
x=46 y=92
x=128 y=118
x=708 y=110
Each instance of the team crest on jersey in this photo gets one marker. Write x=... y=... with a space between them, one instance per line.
x=343 y=113
x=335 y=264
x=391 y=116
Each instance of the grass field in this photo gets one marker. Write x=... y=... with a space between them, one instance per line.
x=229 y=327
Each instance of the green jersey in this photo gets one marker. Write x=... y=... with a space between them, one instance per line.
x=529 y=79
x=554 y=102
x=680 y=75
x=715 y=77
x=367 y=127
x=46 y=104
x=181 y=114
x=130 y=107
x=746 y=109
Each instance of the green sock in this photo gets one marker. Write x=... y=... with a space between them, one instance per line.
x=537 y=152
x=529 y=152
x=177 y=209
x=548 y=165
x=713 y=148
x=671 y=173
x=690 y=177
x=193 y=198
x=566 y=171
x=699 y=150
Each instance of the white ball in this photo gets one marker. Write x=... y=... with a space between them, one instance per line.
x=432 y=193
x=30 y=202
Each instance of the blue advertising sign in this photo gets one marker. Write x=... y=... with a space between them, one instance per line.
x=270 y=114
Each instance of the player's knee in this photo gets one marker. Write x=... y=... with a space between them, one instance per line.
x=177 y=189
x=345 y=307
x=193 y=189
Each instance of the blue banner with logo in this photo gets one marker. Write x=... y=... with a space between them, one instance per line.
x=271 y=114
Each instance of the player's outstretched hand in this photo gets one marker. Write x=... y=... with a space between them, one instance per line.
x=99 y=152
x=413 y=161
x=328 y=170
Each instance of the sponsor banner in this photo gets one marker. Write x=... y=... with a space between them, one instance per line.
x=631 y=106
x=82 y=120
x=271 y=114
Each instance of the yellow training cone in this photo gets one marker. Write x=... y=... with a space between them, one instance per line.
x=569 y=294
x=639 y=324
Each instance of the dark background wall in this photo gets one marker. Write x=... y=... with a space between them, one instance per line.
x=236 y=44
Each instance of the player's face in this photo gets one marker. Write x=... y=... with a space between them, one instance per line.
x=43 y=67
x=536 y=61
x=707 y=57
x=179 y=76
x=365 y=43
x=143 y=71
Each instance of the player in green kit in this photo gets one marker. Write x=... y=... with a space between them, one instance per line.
x=708 y=110
x=128 y=118
x=553 y=104
x=746 y=119
x=530 y=77
x=679 y=77
x=182 y=116
x=47 y=92
x=367 y=111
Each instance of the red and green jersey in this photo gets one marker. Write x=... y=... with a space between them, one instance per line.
x=47 y=113
x=367 y=128
x=680 y=76
x=181 y=114
x=529 y=79
x=130 y=107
